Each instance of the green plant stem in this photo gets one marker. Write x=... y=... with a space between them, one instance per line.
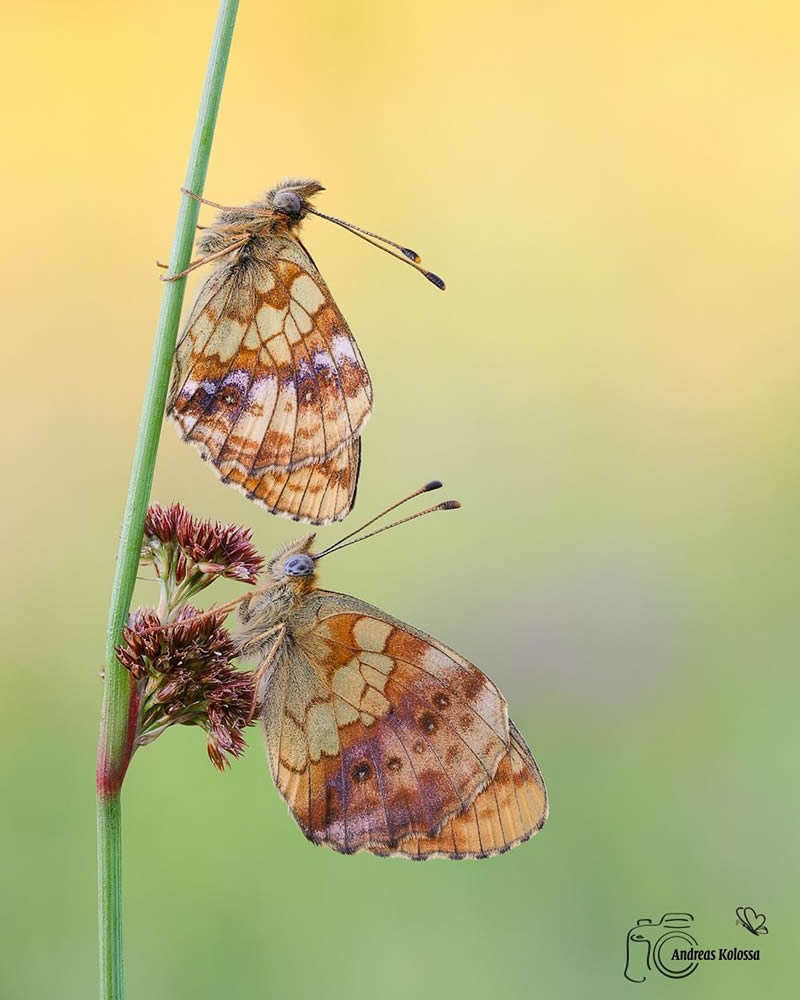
x=120 y=704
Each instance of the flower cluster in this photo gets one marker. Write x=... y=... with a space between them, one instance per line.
x=179 y=658
x=189 y=553
x=216 y=549
x=184 y=676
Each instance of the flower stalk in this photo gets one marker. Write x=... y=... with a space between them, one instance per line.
x=120 y=710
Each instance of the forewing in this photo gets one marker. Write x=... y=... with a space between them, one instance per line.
x=316 y=493
x=382 y=732
x=267 y=374
x=511 y=808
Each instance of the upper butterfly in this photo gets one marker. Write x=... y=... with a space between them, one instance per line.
x=379 y=737
x=269 y=384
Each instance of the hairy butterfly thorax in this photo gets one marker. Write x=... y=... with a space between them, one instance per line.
x=260 y=612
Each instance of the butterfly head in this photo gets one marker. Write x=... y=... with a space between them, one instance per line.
x=293 y=565
x=290 y=197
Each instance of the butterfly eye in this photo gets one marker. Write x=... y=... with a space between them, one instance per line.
x=299 y=565
x=288 y=203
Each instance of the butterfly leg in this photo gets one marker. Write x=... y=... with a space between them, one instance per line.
x=245 y=605
x=229 y=606
x=275 y=634
x=204 y=260
x=244 y=600
x=205 y=201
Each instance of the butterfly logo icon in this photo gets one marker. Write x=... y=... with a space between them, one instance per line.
x=269 y=384
x=754 y=922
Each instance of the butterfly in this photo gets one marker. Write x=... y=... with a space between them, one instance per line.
x=269 y=384
x=754 y=922
x=379 y=737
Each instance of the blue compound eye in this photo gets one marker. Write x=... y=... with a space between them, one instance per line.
x=288 y=203
x=299 y=565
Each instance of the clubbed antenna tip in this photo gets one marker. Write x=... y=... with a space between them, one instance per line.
x=435 y=279
x=434 y=484
x=404 y=254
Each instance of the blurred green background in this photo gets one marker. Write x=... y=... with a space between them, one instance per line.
x=610 y=385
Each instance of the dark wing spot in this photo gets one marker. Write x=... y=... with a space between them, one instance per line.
x=306 y=383
x=333 y=809
x=472 y=686
x=441 y=700
x=230 y=395
x=393 y=763
x=428 y=722
x=202 y=402
x=362 y=771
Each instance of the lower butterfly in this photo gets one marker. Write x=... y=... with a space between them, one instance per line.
x=379 y=737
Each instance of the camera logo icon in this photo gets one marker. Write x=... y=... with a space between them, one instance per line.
x=656 y=944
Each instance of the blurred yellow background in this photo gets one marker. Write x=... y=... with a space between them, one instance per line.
x=610 y=385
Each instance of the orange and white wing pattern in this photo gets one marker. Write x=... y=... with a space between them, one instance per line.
x=267 y=374
x=379 y=736
x=316 y=493
x=510 y=810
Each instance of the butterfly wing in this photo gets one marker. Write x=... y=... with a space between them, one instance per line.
x=376 y=732
x=267 y=374
x=510 y=810
x=316 y=493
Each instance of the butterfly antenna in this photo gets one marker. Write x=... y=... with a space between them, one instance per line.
x=434 y=484
x=405 y=251
x=445 y=505
x=408 y=256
